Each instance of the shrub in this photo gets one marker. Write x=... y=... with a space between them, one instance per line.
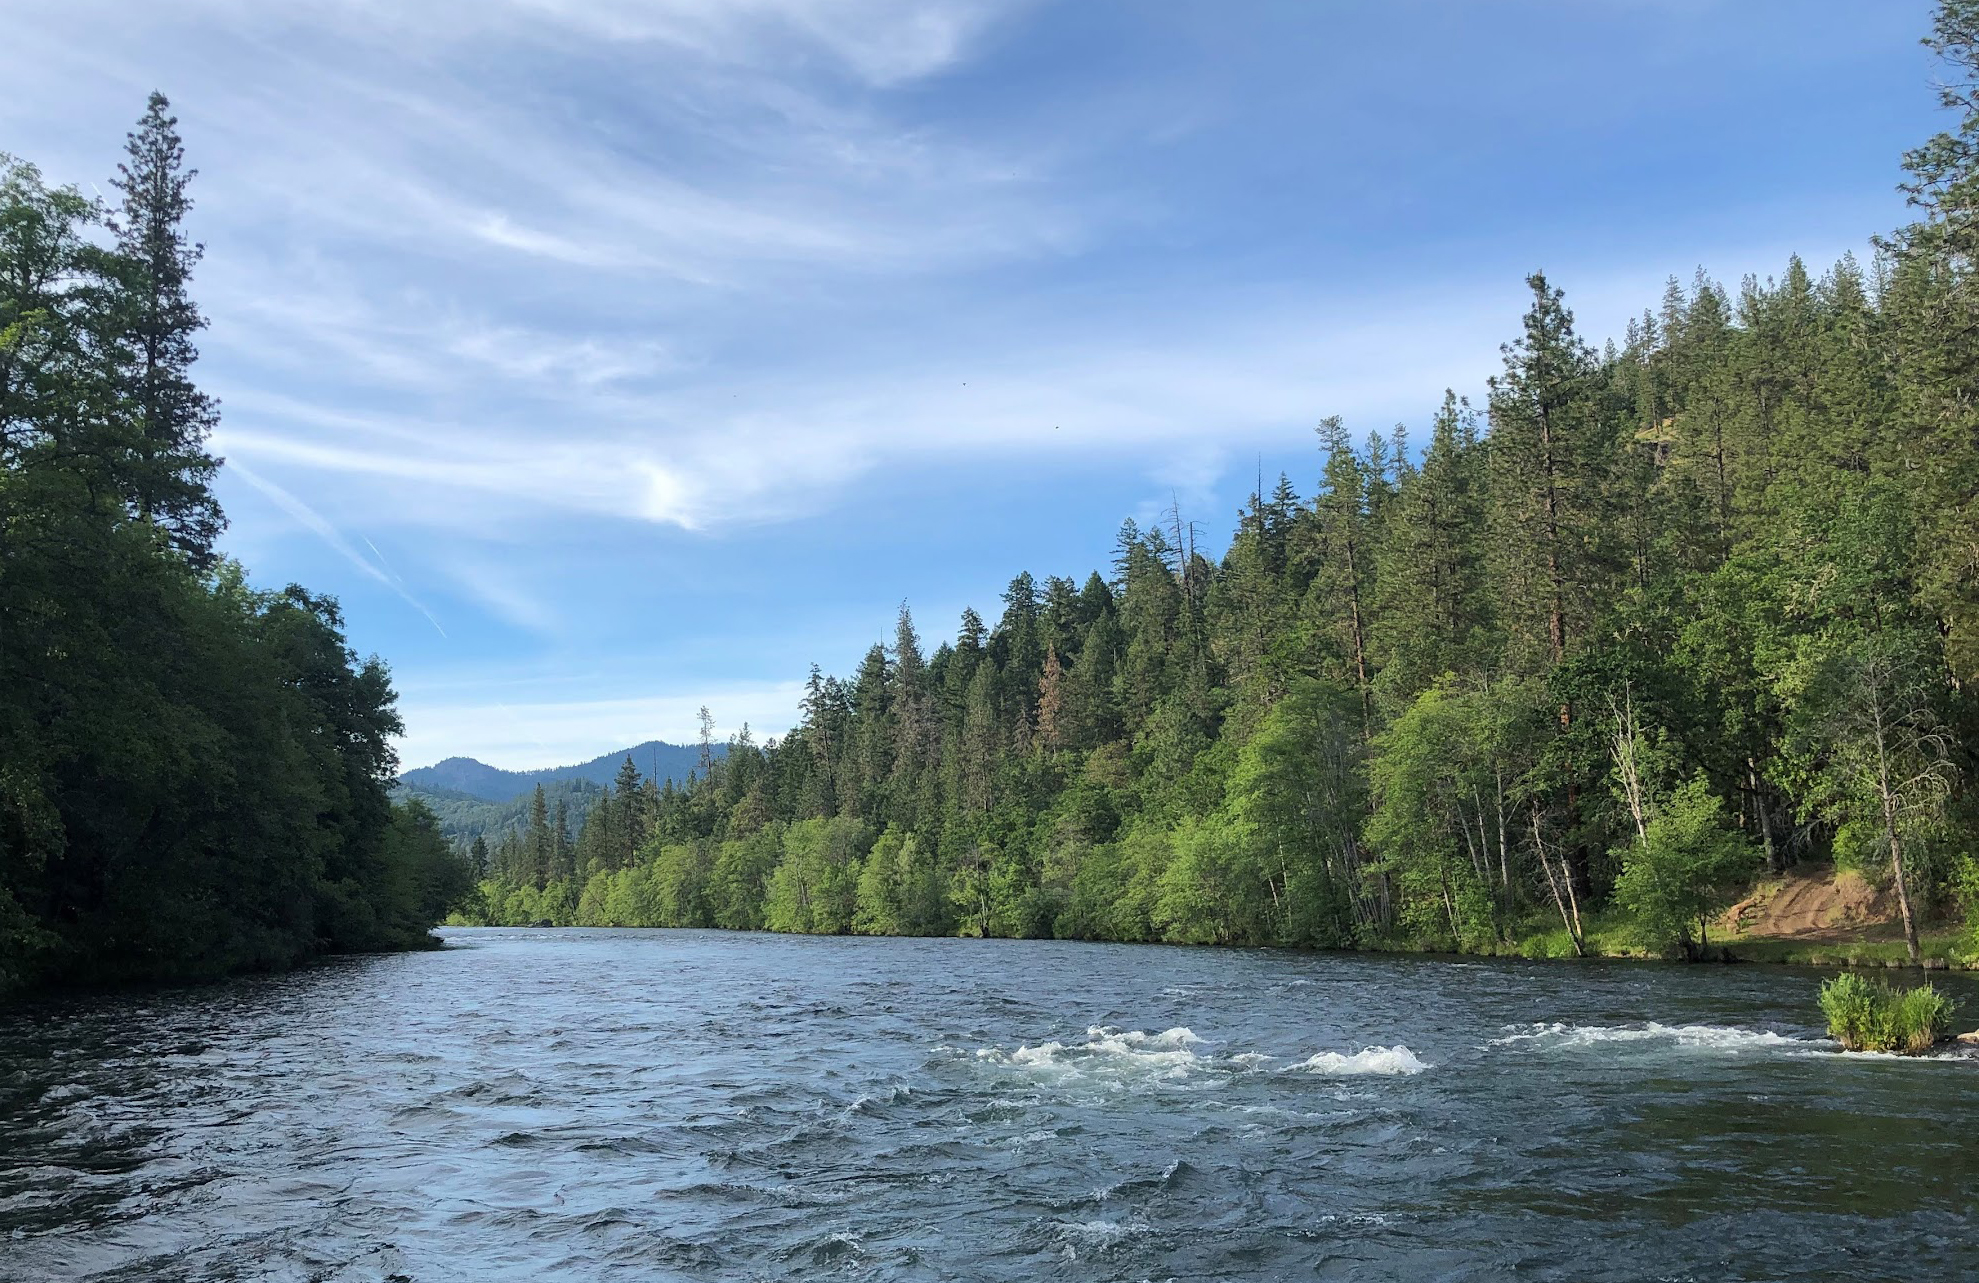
x=1848 y=1001
x=1672 y=876
x=1918 y=1018
x=1874 y=1017
x=1965 y=889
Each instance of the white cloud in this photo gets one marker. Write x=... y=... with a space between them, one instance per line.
x=724 y=447
x=506 y=594
x=881 y=41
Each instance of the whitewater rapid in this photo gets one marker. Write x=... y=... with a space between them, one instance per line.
x=556 y=1106
x=1128 y=1056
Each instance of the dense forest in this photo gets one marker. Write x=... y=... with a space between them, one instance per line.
x=1647 y=622
x=463 y=817
x=193 y=771
x=472 y=800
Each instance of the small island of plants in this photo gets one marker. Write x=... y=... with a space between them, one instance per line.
x=1878 y=1017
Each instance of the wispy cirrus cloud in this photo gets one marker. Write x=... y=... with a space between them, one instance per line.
x=706 y=446
x=569 y=303
x=317 y=524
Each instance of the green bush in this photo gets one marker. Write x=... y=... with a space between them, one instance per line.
x=1875 y=1017
x=1965 y=889
x=1849 y=1003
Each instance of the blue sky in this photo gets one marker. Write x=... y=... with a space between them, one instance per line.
x=612 y=357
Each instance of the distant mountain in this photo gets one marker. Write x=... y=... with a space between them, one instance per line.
x=654 y=758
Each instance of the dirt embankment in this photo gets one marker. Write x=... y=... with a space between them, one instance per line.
x=1813 y=904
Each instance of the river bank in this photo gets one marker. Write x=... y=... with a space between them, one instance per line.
x=1941 y=951
x=1812 y=916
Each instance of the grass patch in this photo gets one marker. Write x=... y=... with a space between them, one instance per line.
x=1607 y=935
x=1610 y=934
x=1866 y=1016
x=1952 y=950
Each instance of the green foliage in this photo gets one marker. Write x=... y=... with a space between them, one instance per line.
x=1444 y=820
x=1876 y=1017
x=464 y=817
x=900 y=890
x=193 y=772
x=740 y=879
x=1213 y=890
x=1850 y=1004
x=1675 y=873
x=814 y=887
x=1743 y=537
x=1298 y=795
x=1867 y=742
x=1965 y=888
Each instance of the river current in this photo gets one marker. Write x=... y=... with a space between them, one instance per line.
x=575 y=1105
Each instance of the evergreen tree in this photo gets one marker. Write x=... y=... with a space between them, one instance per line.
x=541 y=848
x=172 y=474
x=1550 y=449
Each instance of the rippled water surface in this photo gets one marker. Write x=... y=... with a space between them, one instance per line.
x=549 y=1105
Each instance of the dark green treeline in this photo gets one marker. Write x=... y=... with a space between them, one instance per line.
x=1651 y=620
x=193 y=772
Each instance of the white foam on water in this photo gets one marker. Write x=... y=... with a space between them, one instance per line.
x=1099 y=1231
x=1108 y=1051
x=1120 y=1058
x=1096 y=1236
x=1038 y=1136
x=1709 y=1038
x=1391 y=1061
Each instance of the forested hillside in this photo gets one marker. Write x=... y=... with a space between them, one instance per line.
x=492 y=784
x=463 y=817
x=1649 y=619
x=193 y=771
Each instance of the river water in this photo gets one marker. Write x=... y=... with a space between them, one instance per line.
x=565 y=1105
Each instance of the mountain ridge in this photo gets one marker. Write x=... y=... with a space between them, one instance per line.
x=656 y=759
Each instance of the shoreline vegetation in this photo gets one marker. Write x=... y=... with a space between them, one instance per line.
x=1606 y=942
x=1651 y=625
x=193 y=771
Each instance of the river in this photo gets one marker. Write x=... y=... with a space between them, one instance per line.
x=575 y=1105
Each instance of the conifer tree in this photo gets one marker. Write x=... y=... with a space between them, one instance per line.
x=1342 y=556
x=1432 y=612
x=173 y=473
x=538 y=842
x=562 y=863
x=1549 y=449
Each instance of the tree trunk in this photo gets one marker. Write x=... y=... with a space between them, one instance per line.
x=1504 y=856
x=1570 y=919
x=1360 y=644
x=1891 y=830
x=1773 y=864
x=1896 y=871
